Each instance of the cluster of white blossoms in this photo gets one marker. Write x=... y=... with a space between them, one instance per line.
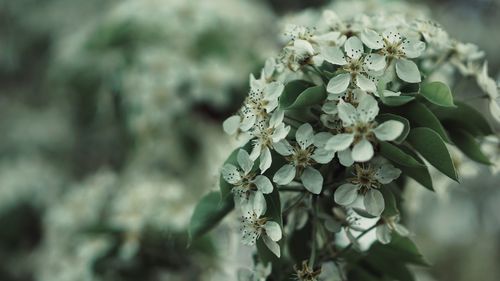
x=318 y=104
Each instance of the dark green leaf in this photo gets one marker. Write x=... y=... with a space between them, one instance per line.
x=465 y=117
x=468 y=145
x=420 y=173
x=388 y=116
x=431 y=146
x=396 y=100
x=400 y=249
x=311 y=96
x=438 y=93
x=208 y=213
x=420 y=116
x=391 y=208
x=292 y=92
x=395 y=154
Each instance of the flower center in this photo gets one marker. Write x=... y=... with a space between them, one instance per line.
x=302 y=157
x=365 y=177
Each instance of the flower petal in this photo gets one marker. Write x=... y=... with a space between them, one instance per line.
x=284 y=148
x=365 y=84
x=408 y=71
x=272 y=246
x=321 y=138
x=312 y=180
x=322 y=155
x=346 y=194
x=387 y=173
x=392 y=35
x=401 y=230
x=259 y=204
x=273 y=230
x=362 y=151
x=231 y=174
x=248 y=121
x=375 y=62
x=265 y=160
x=263 y=184
x=372 y=39
x=389 y=130
x=353 y=47
x=244 y=161
x=367 y=109
x=412 y=49
x=339 y=142
x=273 y=90
x=231 y=124
x=495 y=108
x=284 y=175
x=339 y=83
x=333 y=55
x=280 y=132
x=303 y=48
x=347 y=113
x=276 y=118
x=329 y=108
x=383 y=234
x=374 y=202
x=345 y=158
x=304 y=135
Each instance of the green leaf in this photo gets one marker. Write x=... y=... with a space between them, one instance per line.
x=468 y=145
x=209 y=211
x=293 y=90
x=395 y=154
x=438 y=93
x=465 y=117
x=431 y=146
x=391 y=208
x=392 y=268
x=420 y=116
x=396 y=100
x=310 y=96
x=400 y=249
x=388 y=116
x=420 y=173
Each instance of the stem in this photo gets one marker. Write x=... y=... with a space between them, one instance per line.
x=438 y=63
x=295 y=204
x=357 y=238
x=315 y=230
x=317 y=71
x=292 y=189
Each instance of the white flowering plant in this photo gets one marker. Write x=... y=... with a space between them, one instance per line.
x=332 y=129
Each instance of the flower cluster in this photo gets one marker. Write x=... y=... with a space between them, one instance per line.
x=342 y=116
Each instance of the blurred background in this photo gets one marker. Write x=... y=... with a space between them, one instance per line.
x=110 y=131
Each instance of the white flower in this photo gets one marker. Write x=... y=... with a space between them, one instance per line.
x=267 y=133
x=254 y=226
x=301 y=157
x=260 y=273
x=261 y=101
x=244 y=181
x=304 y=46
x=367 y=182
x=358 y=67
x=465 y=57
x=490 y=87
x=390 y=224
x=394 y=46
x=361 y=130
